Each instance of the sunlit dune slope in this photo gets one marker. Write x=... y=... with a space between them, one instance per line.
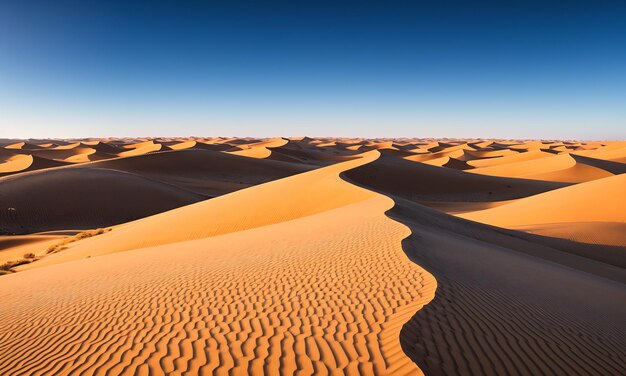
x=509 y=158
x=15 y=247
x=554 y=167
x=261 y=149
x=615 y=151
x=317 y=283
x=595 y=201
x=16 y=163
x=141 y=148
x=277 y=201
x=607 y=233
x=26 y=163
x=114 y=191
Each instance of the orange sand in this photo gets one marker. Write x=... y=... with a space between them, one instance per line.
x=307 y=256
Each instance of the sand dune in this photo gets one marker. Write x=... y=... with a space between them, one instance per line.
x=486 y=154
x=15 y=247
x=304 y=255
x=614 y=151
x=203 y=171
x=83 y=198
x=21 y=146
x=261 y=149
x=606 y=233
x=501 y=310
x=423 y=183
x=321 y=154
x=509 y=158
x=324 y=191
x=141 y=148
x=595 y=201
x=16 y=163
x=110 y=192
x=253 y=309
x=561 y=167
x=28 y=163
x=607 y=165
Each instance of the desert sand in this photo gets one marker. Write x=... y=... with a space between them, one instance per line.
x=223 y=255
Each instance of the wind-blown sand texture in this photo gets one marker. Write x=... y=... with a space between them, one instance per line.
x=312 y=256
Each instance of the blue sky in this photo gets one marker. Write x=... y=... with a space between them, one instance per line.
x=550 y=69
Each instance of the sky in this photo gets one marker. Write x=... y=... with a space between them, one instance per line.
x=490 y=69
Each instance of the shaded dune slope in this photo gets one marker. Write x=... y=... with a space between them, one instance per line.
x=508 y=302
x=239 y=301
x=595 y=201
x=421 y=182
x=562 y=167
x=82 y=198
x=119 y=190
x=275 y=200
x=206 y=172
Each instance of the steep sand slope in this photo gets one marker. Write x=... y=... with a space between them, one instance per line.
x=114 y=191
x=82 y=198
x=509 y=158
x=422 y=183
x=615 y=151
x=266 y=204
x=314 y=289
x=595 y=201
x=610 y=166
x=560 y=167
x=16 y=163
x=306 y=153
x=500 y=311
x=141 y=148
x=206 y=172
x=506 y=302
x=261 y=149
x=606 y=233
x=28 y=163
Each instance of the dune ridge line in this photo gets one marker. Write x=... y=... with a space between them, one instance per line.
x=238 y=298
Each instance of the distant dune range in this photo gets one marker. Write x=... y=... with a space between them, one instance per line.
x=312 y=255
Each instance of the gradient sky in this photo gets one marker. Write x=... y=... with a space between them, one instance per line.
x=505 y=69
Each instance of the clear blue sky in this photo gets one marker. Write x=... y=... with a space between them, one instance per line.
x=509 y=69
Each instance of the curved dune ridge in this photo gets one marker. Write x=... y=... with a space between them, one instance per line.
x=141 y=148
x=423 y=183
x=261 y=149
x=560 y=167
x=83 y=198
x=225 y=255
x=595 y=201
x=19 y=162
x=510 y=304
x=509 y=158
x=114 y=191
x=318 y=191
x=239 y=299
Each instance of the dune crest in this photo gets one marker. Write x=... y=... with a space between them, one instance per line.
x=226 y=255
x=600 y=200
x=242 y=301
